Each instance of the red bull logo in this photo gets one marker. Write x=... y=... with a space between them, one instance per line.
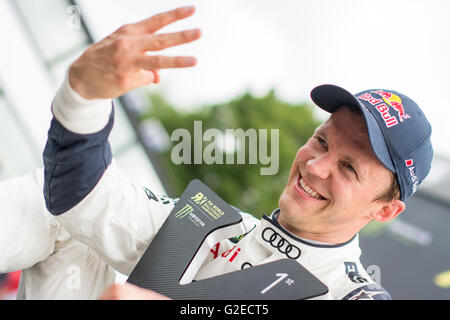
x=381 y=107
x=388 y=99
x=395 y=102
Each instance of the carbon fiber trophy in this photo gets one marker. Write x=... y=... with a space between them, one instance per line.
x=199 y=220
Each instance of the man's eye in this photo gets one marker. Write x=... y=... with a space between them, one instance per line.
x=322 y=142
x=349 y=167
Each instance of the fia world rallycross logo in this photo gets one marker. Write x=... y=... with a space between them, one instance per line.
x=206 y=206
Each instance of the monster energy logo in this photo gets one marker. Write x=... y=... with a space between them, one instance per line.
x=184 y=211
x=187 y=211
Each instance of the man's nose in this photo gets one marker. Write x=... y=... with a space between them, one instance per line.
x=320 y=166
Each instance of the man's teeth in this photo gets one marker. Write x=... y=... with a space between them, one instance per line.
x=308 y=190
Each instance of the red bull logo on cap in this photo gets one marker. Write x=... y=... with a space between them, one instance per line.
x=382 y=105
x=395 y=102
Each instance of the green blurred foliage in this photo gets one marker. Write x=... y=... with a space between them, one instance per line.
x=241 y=185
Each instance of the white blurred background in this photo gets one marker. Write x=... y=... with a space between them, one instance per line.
x=295 y=45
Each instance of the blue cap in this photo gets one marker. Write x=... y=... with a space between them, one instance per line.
x=398 y=130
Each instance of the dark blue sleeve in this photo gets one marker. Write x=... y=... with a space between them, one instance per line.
x=368 y=292
x=74 y=163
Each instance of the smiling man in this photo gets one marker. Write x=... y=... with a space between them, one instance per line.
x=337 y=183
x=360 y=165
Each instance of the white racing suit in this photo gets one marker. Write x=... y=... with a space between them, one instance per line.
x=54 y=265
x=115 y=221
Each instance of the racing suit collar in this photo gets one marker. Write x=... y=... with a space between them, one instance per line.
x=274 y=220
x=283 y=244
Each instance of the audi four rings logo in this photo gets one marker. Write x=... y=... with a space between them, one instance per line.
x=277 y=241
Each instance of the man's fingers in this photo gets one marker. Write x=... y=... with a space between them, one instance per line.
x=155 y=42
x=161 y=20
x=164 y=62
x=140 y=79
x=157 y=77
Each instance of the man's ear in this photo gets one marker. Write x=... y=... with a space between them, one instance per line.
x=389 y=210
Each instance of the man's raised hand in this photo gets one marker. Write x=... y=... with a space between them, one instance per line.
x=120 y=63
